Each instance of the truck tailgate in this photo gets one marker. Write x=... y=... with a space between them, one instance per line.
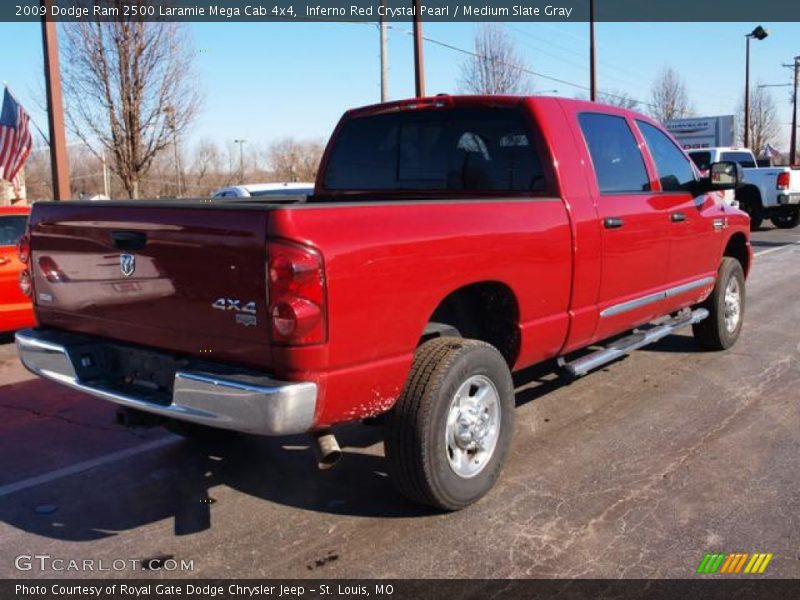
x=167 y=275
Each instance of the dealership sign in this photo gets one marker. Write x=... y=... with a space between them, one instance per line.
x=703 y=132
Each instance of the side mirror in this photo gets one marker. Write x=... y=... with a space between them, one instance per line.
x=725 y=176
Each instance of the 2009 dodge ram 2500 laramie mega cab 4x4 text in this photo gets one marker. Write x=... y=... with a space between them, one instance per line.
x=449 y=241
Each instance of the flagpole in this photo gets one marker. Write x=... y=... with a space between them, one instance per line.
x=35 y=124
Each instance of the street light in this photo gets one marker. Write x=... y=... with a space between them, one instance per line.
x=241 y=159
x=758 y=33
x=795 y=81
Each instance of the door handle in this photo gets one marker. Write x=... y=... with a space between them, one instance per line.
x=613 y=222
x=4 y=260
x=677 y=217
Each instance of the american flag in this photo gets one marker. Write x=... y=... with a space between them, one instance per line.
x=15 y=138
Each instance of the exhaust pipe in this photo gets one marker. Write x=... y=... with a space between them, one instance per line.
x=327 y=449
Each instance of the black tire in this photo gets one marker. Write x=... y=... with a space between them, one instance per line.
x=417 y=450
x=750 y=202
x=786 y=219
x=199 y=433
x=712 y=333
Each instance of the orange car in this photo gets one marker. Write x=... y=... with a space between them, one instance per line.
x=16 y=311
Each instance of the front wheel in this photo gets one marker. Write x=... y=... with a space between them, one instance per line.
x=787 y=219
x=725 y=305
x=450 y=431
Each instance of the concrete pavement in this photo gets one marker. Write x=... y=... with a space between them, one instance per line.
x=636 y=470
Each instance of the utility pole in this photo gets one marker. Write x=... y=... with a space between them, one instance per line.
x=384 y=58
x=170 y=116
x=106 y=181
x=241 y=159
x=793 y=143
x=592 y=57
x=59 y=161
x=419 y=67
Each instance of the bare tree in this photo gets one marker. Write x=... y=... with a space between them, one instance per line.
x=614 y=98
x=496 y=66
x=621 y=99
x=295 y=160
x=130 y=90
x=670 y=100
x=763 y=119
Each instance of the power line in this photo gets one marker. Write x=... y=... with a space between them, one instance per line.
x=455 y=48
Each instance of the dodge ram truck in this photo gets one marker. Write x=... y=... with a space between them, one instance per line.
x=449 y=241
x=766 y=192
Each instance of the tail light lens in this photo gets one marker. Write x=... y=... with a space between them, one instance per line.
x=24 y=255
x=783 y=181
x=296 y=280
x=25 y=283
x=50 y=270
x=24 y=249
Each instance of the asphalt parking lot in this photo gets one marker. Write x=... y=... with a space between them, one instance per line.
x=636 y=470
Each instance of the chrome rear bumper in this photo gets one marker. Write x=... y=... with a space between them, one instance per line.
x=240 y=402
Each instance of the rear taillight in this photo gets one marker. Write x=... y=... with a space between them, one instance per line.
x=296 y=280
x=24 y=249
x=25 y=283
x=24 y=255
x=50 y=270
x=783 y=181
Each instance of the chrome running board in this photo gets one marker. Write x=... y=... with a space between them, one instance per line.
x=628 y=344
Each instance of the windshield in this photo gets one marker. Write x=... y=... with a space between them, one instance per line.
x=701 y=159
x=743 y=158
x=11 y=229
x=486 y=149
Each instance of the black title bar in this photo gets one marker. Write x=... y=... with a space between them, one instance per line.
x=397 y=10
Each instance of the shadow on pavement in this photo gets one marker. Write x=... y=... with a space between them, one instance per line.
x=178 y=481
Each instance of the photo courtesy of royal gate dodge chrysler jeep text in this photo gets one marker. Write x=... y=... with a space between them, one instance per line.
x=449 y=241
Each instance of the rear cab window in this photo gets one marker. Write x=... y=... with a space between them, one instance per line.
x=437 y=150
x=618 y=164
x=11 y=229
x=743 y=158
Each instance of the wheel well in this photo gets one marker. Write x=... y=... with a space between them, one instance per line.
x=737 y=248
x=749 y=193
x=486 y=311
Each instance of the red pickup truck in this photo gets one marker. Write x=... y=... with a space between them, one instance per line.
x=449 y=241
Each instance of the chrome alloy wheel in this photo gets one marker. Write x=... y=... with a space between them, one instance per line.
x=473 y=426
x=733 y=304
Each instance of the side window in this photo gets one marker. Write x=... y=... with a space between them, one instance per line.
x=618 y=163
x=674 y=171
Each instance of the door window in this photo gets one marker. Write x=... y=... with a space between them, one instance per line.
x=618 y=163
x=674 y=170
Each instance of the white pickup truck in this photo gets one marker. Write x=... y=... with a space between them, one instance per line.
x=771 y=192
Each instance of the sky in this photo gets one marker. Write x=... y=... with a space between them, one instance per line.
x=265 y=81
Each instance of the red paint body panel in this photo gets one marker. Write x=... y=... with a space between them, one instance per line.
x=16 y=310
x=388 y=263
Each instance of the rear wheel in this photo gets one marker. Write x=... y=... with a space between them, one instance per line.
x=786 y=219
x=450 y=431
x=750 y=202
x=725 y=305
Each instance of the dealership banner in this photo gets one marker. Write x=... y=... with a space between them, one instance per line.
x=710 y=587
x=401 y=10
